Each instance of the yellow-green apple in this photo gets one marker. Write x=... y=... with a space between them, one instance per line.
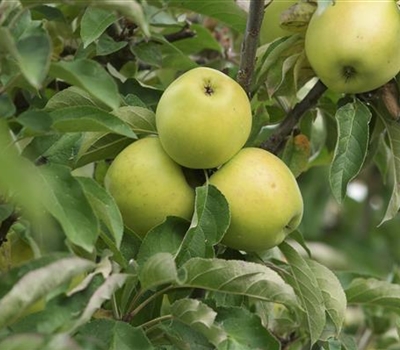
x=203 y=118
x=264 y=199
x=354 y=46
x=148 y=186
x=271 y=28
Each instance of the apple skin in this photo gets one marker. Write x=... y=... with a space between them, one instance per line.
x=148 y=186
x=264 y=199
x=354 y=46
x=270 y=27
x=203 y=118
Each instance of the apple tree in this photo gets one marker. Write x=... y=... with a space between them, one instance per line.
x=81 y=81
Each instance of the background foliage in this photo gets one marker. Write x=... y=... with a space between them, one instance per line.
x=79 y=81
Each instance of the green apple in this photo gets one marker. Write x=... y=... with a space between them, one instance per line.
x=271 y=28
x=264 y=199
x=148 y=186
x=354 y=46
x=203 y=118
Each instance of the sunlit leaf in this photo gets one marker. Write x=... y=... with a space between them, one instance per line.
x=39 y=342
x=102 y=294
x=393 y=134
x=238 y=277
x=352 y=145
x=37 y=283
x=372 y=291
x=200 y=317
x=307 y=289
x=332 y=292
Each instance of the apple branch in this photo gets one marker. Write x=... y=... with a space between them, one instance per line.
x=275 y=141
x=250 y=44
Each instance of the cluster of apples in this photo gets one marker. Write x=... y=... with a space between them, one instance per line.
x=352 y=46
x=203 y=121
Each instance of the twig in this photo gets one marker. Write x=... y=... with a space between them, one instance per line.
x=184 y=33
x=275 y=141
x=250 y=44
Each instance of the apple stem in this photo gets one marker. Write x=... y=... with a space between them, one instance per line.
x=250 y=44
x=276 y=140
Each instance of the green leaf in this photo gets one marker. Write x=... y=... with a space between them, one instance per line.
x=371 y=291
x=297 y=153
x=116 y=335
x=271 y=68
x=162 y=54
x=64 y=198
x=209 y=224
x=393 y=135
x=203 y=40
x=308 y=290
x=23 y=342
x=6 y=209
x=34 y=54
x=351 y=147
x=7 y=107
x=141 y=120
x=11 y=277
x=182 y=336
x=106 y=45
x=159 y=269
x=73 y=96
x=228 y=12
x=200 y=317
x=37 y=283
x=244 y=330
x=60 y=149
x=238 y=277
x=37 y=121
x=164 y=238
x=103 y=293
x=332 y=292
x=97 y=146
x=90 y=76
x=39 y=342
x=86 y=118
x=93 y=24
x=105 y=207
x=132 y=10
